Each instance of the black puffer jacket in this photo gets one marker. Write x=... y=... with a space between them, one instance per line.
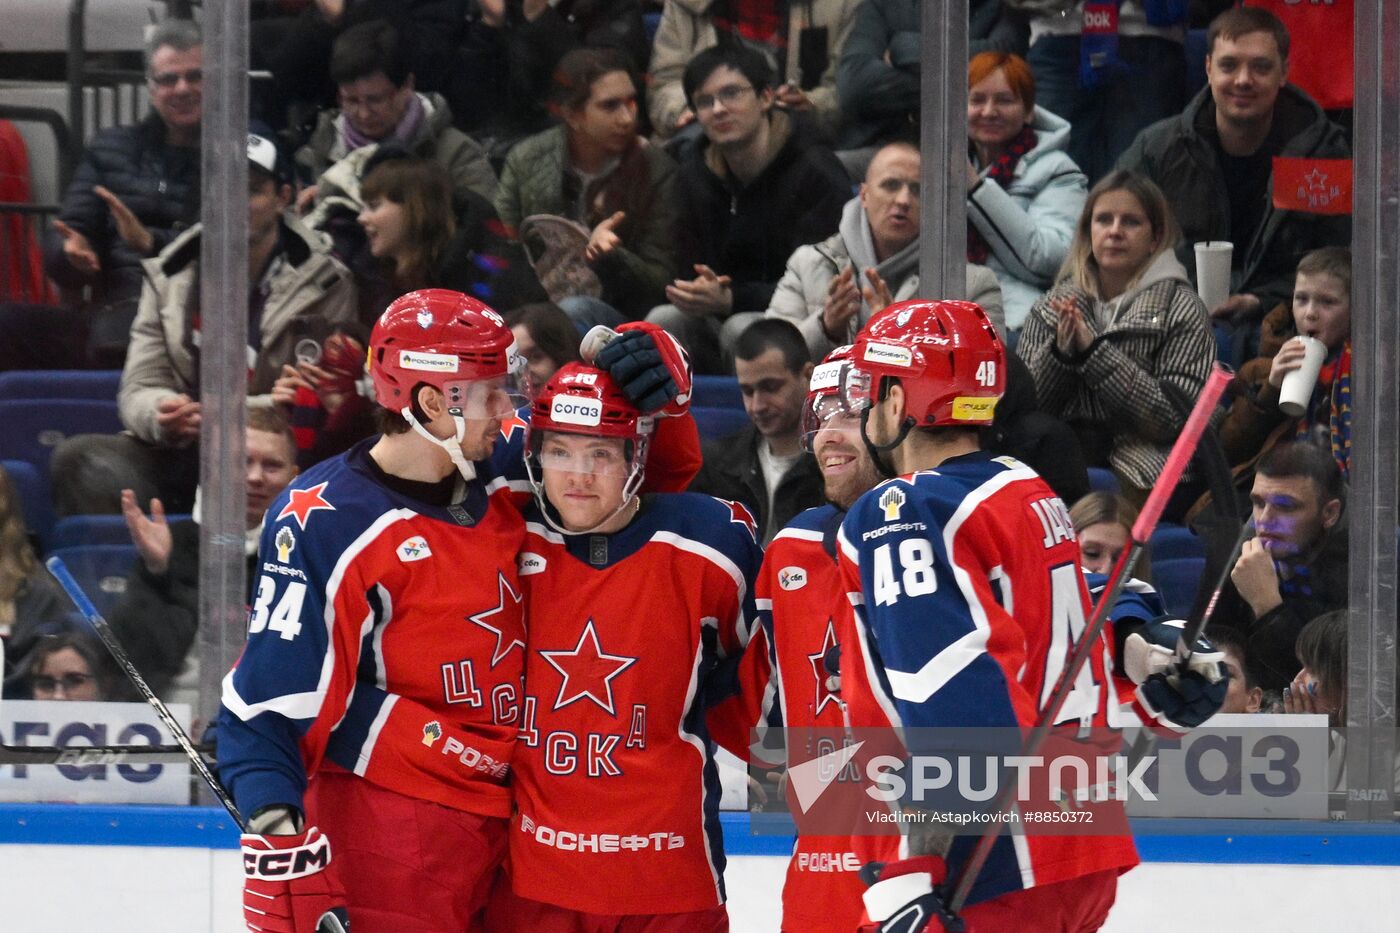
x=1178 y=153
x=748 y=231
x=159 y=182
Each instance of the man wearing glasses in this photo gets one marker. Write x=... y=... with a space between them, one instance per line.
x=135 y=189
x=758 y=186
x=380 y=105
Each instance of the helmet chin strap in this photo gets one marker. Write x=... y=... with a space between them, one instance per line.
x=878 y=451
x=453 y=445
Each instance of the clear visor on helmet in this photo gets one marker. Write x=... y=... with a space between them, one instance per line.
x=580 y=453
x=482 y=399
x=827 y=413
x=856 y=390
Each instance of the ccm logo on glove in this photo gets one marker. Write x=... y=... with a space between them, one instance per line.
x=287 y=864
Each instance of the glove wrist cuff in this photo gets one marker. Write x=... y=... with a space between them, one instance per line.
x=901 y=883
x=885 y=897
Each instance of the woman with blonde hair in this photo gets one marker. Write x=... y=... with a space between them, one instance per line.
x=1122 y=345
x=31 y=605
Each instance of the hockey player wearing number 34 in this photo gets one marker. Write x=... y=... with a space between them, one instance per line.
x=638 y=608
x=954 y=536
x=379 y=695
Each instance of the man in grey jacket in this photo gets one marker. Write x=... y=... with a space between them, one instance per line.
x=298 y=296
x=1214 y=162
x=830 y=289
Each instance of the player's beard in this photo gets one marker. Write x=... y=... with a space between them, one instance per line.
x=842 y=491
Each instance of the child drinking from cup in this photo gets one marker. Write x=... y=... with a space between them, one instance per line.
x=1320 y=316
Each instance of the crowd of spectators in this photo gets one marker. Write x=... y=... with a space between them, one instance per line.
x=749 y=180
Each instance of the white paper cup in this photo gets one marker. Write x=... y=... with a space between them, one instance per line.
x=1298 y=385
x=1213 y=272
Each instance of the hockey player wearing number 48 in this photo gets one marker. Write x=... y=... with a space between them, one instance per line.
x=933 y=561
x=379 y=695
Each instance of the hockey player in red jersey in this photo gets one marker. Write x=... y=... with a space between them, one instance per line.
x=785 y=678
x=931 y=560
x=638 y=606
x=379 y=695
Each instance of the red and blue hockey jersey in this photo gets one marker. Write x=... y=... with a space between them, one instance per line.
x=967 y=600
x=386 y=635
x=368 y=645
x=799 y=597
x=633 y=636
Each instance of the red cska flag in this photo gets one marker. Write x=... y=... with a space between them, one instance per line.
x=1320 y=57
x=1313 y=186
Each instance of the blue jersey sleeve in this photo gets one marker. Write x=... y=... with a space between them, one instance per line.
x=292 y=682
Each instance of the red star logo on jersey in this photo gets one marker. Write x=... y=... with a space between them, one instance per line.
x=303 y=502
x=588 y=671
x=824 y=696
x=740 y=514
x=511 y=424
x=503 y=647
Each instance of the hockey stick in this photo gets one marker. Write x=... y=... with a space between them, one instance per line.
x=104 y=632
x=1196 y=629
x=1142 y=747
x=84 y=755
x=1177 y=460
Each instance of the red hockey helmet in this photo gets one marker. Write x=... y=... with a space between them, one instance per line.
x=451 y=342
x=947 y=356
x=583 y=399
x=825 y=393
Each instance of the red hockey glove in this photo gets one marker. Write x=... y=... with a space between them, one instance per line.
x=286 y=888
x=905 y=897
x=649 y=365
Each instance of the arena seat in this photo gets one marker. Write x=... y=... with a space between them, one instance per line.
x=1177 y=579
x=78 y=530
x=1101 y=480
x=33 y=491
x=34 y=427
x=61 y=383
x=716 y=392
x=1171 y=541
x=101 y=571
x=715 y=423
